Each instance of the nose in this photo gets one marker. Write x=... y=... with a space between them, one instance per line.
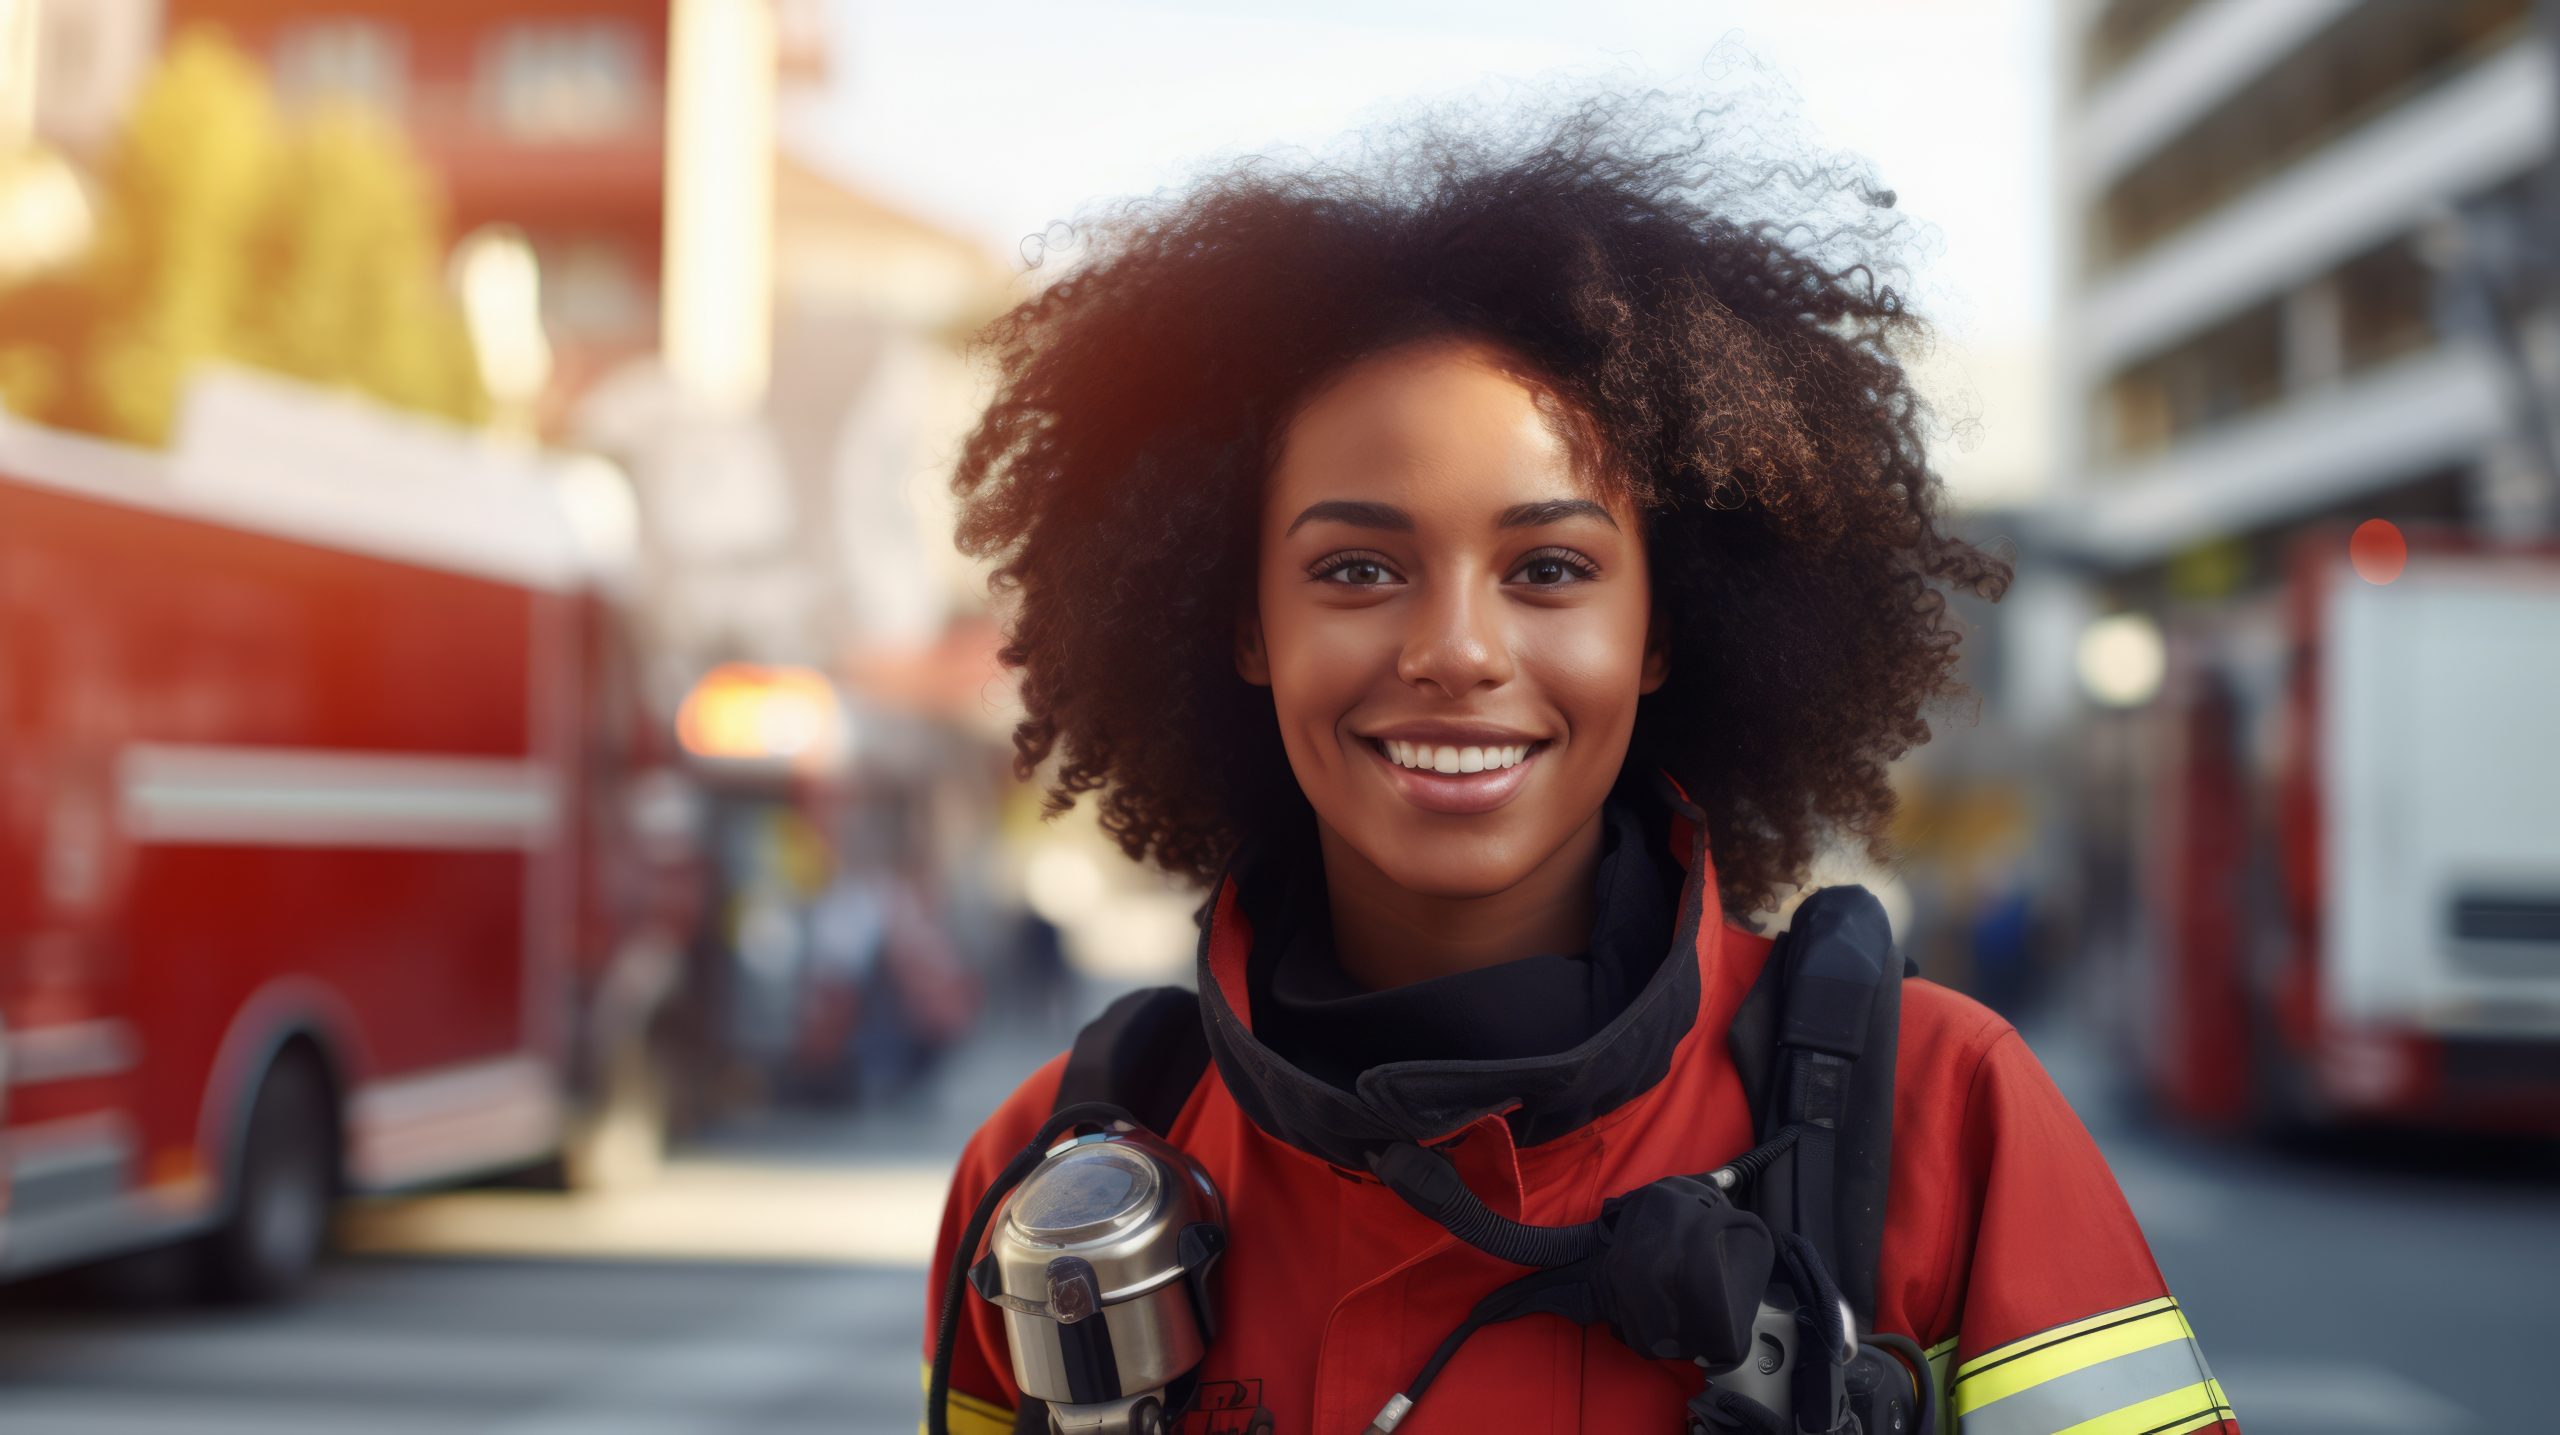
x=1456 y=642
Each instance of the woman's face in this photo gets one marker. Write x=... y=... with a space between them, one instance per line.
x=1454 y=627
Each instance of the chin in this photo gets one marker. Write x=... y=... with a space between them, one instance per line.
x=1438 y=865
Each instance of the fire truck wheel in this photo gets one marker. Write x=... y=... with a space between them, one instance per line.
x=279 y=1218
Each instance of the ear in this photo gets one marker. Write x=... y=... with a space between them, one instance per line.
x=1657 y=653
x=1252 y=663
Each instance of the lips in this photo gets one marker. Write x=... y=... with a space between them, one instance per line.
x=1456 y=778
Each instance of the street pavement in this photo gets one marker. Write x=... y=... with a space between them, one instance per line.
x=394 y=1346
x=2356 y=1286
x=771 y=1283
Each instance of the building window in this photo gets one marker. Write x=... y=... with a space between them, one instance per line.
x=2123 y=29
x=2376 y=58
x=2234 y=368
x=361 y=60
x=2389 y=305
x=563 y=82
x=2375 y=308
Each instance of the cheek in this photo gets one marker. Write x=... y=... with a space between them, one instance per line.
x=1590 y=662
x=1321 y=662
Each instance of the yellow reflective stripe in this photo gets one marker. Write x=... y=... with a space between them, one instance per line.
x=1980 y=1383
x=1942 y=1367
x=977 y=1417
x=966 y=1414
x=2134 y=1371
x=2193 y=1408
x=2061 y=1333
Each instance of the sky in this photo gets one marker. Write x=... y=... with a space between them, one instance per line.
x=999 y=117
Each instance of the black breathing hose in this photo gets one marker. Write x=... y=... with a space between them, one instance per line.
x=1509 y=1302
x=1922 y=1379
x=1429 y=1184
x=937 y=1395
x=1743 y=1169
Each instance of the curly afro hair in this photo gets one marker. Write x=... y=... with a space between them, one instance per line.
x=1722 y=330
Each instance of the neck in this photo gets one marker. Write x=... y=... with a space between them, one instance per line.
x=1388 y=936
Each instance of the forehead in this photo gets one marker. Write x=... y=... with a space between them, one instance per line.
x=1444 y=423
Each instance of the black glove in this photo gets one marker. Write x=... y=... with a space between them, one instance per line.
x=1683 y=1272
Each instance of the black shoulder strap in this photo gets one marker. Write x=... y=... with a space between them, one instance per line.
x=1144 y=1053
x=1815 y=1043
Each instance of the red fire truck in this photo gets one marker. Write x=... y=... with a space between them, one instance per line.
x=2352 y=874
x=324 y=864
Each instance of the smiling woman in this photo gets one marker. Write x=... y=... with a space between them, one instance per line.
x=1436 y=577
x=1649 y=330
x=1493 y=567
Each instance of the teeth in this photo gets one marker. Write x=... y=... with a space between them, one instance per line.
x=1425 y=757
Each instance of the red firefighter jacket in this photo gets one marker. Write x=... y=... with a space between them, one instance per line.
x=2009 y=1254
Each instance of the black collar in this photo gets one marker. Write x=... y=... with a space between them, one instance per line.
x=1542 y=1097
x=1309 y=1010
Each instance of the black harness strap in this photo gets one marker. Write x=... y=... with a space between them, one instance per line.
x=1814 y=1043
x=1144 y=1054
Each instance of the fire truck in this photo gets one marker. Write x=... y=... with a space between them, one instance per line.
x=2352 y=870
x=327 y=855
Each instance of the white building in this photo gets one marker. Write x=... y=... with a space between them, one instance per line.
x=2268 y=206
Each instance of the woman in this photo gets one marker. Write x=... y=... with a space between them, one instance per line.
x=1492 y=571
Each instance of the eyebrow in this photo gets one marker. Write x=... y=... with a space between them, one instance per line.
x=1553 y=510
x=1361 y=514
x=1357 y=514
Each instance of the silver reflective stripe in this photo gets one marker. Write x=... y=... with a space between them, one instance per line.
x=2096 y=1390
x=70 y=1051
x=245 y=795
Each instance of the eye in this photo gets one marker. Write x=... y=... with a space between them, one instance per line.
x=1555 y=568
x=1353 y=570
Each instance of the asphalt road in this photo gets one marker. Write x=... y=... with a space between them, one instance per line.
x=770 y=1283
x=413 y=1346
x=2351 y=1287
x=772 y=1287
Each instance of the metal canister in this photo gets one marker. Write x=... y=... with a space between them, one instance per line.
x=1100 y=1259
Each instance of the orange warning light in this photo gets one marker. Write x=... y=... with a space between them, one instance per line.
x=745 y=712
x=2378 y=550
